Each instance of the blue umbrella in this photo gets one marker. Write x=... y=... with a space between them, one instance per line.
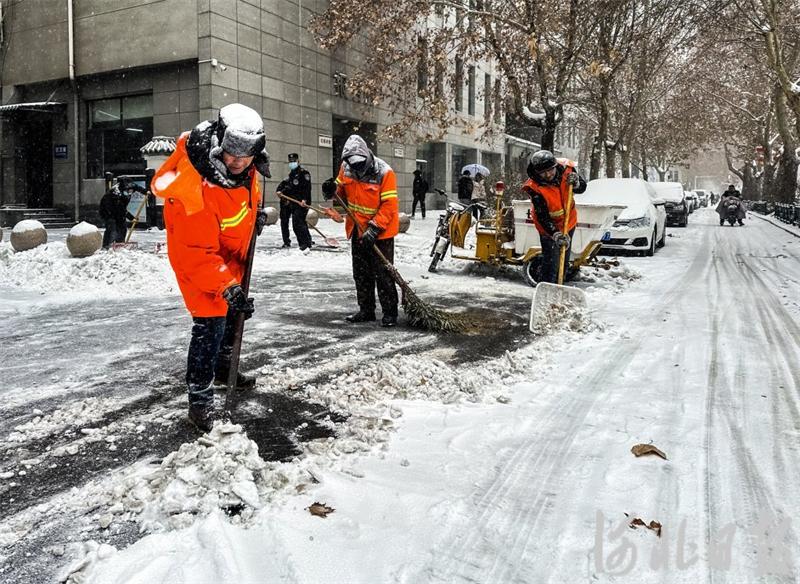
x=474 y=169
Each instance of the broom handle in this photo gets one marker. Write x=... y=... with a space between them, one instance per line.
x=314 y=207
x=236 y=349
x=564 y=230
x=136 y=218
x=386 y=263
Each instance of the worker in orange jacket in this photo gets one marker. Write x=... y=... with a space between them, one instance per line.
x=368 y=186
x=548 y=188
x=211 y=210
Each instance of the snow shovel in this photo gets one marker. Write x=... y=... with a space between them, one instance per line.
x=331 y=241
x=332 y=213
x=552 y=303
x=128 y=244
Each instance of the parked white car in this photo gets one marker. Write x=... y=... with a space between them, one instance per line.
x=641 y=226
x=677 y=206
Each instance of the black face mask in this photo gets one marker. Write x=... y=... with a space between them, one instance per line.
x=359 y=168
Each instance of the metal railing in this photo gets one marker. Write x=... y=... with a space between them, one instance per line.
x=787 y=213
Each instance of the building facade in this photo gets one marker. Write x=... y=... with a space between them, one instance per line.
x=86 y=84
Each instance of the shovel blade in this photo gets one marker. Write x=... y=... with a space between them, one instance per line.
x=334 y=214
x=332 y=241
x=553 y=304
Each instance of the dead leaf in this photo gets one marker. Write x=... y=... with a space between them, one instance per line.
x=644 y=449
x=653 y=525
x=320 y=509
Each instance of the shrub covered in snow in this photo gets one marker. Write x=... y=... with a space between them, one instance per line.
x=28 y=234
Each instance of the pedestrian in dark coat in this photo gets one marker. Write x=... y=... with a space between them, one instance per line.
x=297 y=186
x=419 y=190
x=465 y=187
x=114 y=212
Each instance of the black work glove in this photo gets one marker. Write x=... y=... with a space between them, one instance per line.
x=329 y=188
x=573 y=179
x=238 y=302
x=261 y=220
x=561 y=239
x=370 y=235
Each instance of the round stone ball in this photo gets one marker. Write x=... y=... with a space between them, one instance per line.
x=83 y=240
x=312 y=218
x=28 y=234
x=405 y=222
x=272 y=215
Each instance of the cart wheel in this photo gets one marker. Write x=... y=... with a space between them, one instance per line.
x=436 y=257
x=532 y=270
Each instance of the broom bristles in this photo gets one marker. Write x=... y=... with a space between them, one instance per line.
x=420 y=314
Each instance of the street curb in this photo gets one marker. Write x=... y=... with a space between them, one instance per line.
x=774 y=222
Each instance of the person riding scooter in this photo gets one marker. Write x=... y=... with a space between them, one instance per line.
x=729 y=198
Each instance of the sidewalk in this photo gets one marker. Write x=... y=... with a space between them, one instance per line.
x=771 y=219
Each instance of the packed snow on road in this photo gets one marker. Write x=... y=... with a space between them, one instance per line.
x=373 y=455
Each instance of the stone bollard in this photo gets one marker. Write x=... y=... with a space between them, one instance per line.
x=28 y=234
x=83 y=240
x=272 y=215
x=405 y=222
x=312 y=218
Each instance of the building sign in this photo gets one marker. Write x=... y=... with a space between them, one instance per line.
x=60 y=151
x=325 y=141
x=399 y=152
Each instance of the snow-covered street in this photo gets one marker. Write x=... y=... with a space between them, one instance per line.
x=493 y=457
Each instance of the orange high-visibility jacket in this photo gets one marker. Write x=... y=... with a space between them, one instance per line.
x=374 y=199
x=208 y=231
x=556 y=198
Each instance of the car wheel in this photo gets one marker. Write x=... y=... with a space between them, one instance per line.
x=532 y=270
x=663 y=241
x=652 y=249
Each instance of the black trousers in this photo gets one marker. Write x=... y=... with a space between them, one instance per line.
x=299 y=226
x=418 y=198
x=115 y=232
x=550 y=255
x=369 y=272
x=209 y=352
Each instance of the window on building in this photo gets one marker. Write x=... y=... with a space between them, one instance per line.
x=471 y=90
x=118 y=127
x=487 y=96
x=459 y=84
x=422 y=64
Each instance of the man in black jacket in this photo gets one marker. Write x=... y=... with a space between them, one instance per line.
x=297 y=186
x=419 y=189
x=465 y=186
x=114 y=211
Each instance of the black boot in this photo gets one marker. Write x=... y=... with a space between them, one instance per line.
x=201 y=417
x=389 y=320
x=361 y=316
x=242 y=381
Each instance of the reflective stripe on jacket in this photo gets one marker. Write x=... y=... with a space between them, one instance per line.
x=207 y=239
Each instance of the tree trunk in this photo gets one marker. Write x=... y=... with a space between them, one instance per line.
x=611 y=161
x=662 y=174
x=625 y=159
x=602 y=134
x=785 y=185
x=749 y=182
x=549 y=129
x=645 y=176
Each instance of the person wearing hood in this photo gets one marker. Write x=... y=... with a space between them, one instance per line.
x=211 y=211
x=368 y=186
x=548 y=185
x=114 y=211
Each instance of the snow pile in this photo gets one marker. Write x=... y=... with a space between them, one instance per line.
x=607 y=273
x=91 y=552
x=50 y=269
x=220 y=470
x=27 y=225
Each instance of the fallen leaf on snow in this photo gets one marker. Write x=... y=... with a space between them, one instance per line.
x=320 y=509
x=653 y=525
x=644 y=449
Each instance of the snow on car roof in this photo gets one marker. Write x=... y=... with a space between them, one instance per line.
x=631 y=192
x=669 y=191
